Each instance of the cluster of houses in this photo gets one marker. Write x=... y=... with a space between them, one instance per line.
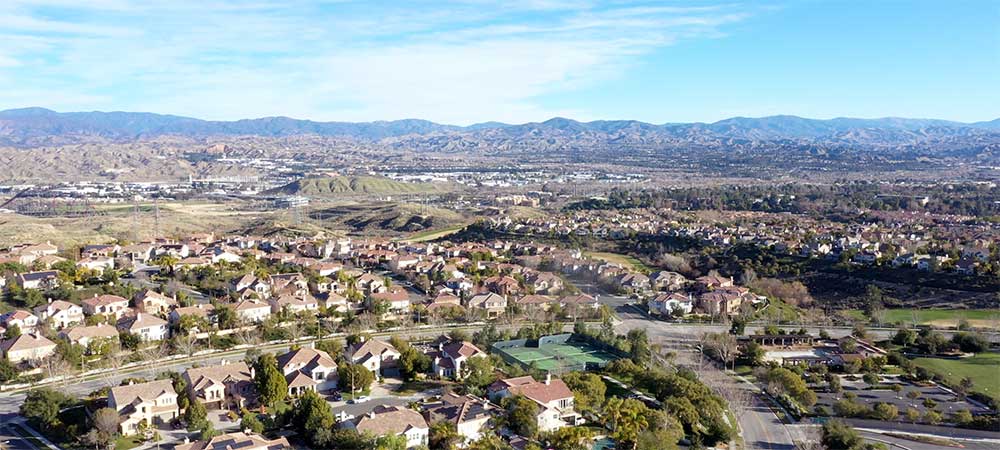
x=230 y=386
x=924 y=241
x=711 y=294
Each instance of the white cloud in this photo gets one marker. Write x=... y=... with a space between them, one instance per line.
x=220 y=59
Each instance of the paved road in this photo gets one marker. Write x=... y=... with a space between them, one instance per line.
x=11 y=441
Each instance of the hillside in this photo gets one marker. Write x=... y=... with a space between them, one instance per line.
x=345 y=185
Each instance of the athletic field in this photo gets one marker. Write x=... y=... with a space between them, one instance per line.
x=559 y=358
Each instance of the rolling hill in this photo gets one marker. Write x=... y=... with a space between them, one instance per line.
x=349 y=185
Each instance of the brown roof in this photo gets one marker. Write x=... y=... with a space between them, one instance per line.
x=100 y=330
x=389 y=420
x=237 y=441
x=143 y=391
x=539 y=392
x=26 y=342
x=103 y=300
x=458 y=349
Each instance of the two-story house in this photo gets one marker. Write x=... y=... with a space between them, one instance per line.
x=149 y=403
x=60 y=314
x=228 y=385
x=308 y=369
x=554 y=399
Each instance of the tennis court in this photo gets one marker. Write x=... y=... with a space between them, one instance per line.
x=561 y=357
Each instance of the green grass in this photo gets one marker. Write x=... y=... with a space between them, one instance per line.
x=937 y=317
x=413 y=387
x=617 y=258
x=430 y=235
x=780 y=311
x=983 y=369
x=127 y=442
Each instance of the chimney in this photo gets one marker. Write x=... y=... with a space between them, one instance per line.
x=548 y=378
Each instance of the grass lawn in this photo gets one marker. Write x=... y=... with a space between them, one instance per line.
x=430 y=235
x=127 y=442
x=983 y=369
x=349 y=396
x=780 y=311
x=985 y=318
x=413 y=387
x=617 y=258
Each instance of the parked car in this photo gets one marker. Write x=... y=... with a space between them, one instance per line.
x=361 y=399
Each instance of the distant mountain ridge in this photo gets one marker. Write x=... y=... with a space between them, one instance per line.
x=27 y=126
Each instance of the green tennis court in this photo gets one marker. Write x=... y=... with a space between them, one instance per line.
x=560 y=358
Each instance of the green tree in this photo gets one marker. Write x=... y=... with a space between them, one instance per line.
x=884 y=411
x=588 y=390
x=227 y=317
x=12 y=332
x=905 y=337
x=639 y=348
x=390 y=442
x=480 y=373
x=443 y=436
x=354 y=377
x=870 y=379
x=522 y=415
x=312 y=414
x=569 y=438
x=626 y=419
x=271 y=384
x=839 y=435
x=196 y=417
x=8 y=371
x=41 y=408
x=489 y=441
x=412 y=362
x=961 y=417
x=249 y=421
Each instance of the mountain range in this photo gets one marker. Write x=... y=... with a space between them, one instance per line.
x=28 y=127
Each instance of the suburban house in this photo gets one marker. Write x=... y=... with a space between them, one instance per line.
x=492 y=303
x=24 y=320
x=239 y=440
x=60 y=313
x=668 y=303
x=710 y=282
x=468 y=413
x=535 y=302
x=669 y=281
x=146 y=326
x=252 y=310
x=229 y=386
x=85 y=335
x=152 y=302
x=308 y=369
x=375 y=355
x=48 y=279
x=449 y=359
x=554 y=398
x=393 y=420
x=293 y=304
x=580 y=301
x=27 y=347
x=203 y=311
x=111 y=306
x=97 y=263
x=149 y=403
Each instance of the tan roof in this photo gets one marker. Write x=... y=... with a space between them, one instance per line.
x=204 y=376
x=237 y=441
x=307 y=358
x=103 y=300
x=200 y=310
x=390 y=420
x=142 y=391
x=101 y=330
x=141 y=321
x=26 y=342
x=539 y=392
x=372 y=347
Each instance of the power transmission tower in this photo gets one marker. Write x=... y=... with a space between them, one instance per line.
x=156 y=219
x=135 y=219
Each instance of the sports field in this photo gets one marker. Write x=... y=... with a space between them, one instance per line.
x=560 y=357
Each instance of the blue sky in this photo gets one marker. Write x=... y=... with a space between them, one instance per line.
x=468 y=61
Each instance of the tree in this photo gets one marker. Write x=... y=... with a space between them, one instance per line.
x=639 y=348
x=8 y=371
x=41 y=408
x=791 y=383
x=312 y=414
x=522 y=415
x=443 y=436
x=971 y=342
x=271 y=384
x=905 y=337
x=106 y=426
x=961 y=417
x=870 y=379
x=196 y=417
x=249 y=421
x=489 y=441
x=333 y=347
x=753 y=354
x=355 y=376
x=412 y=362
x=13 y=332
x=569 y=438
x=588 y=390
x=912 y=415
x=390 y=442
x=839 y=435
x=459 y=335
x=833 y=383
x=912 y=394
x=626 y=419
x=884 y=411
x=932 y=417
x=480 y=373
x=226 y=316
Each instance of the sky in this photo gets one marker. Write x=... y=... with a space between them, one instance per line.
x=469 y=61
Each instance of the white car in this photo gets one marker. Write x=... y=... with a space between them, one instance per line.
x=361 y=399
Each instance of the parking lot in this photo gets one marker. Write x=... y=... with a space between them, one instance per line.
x=946 y=402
